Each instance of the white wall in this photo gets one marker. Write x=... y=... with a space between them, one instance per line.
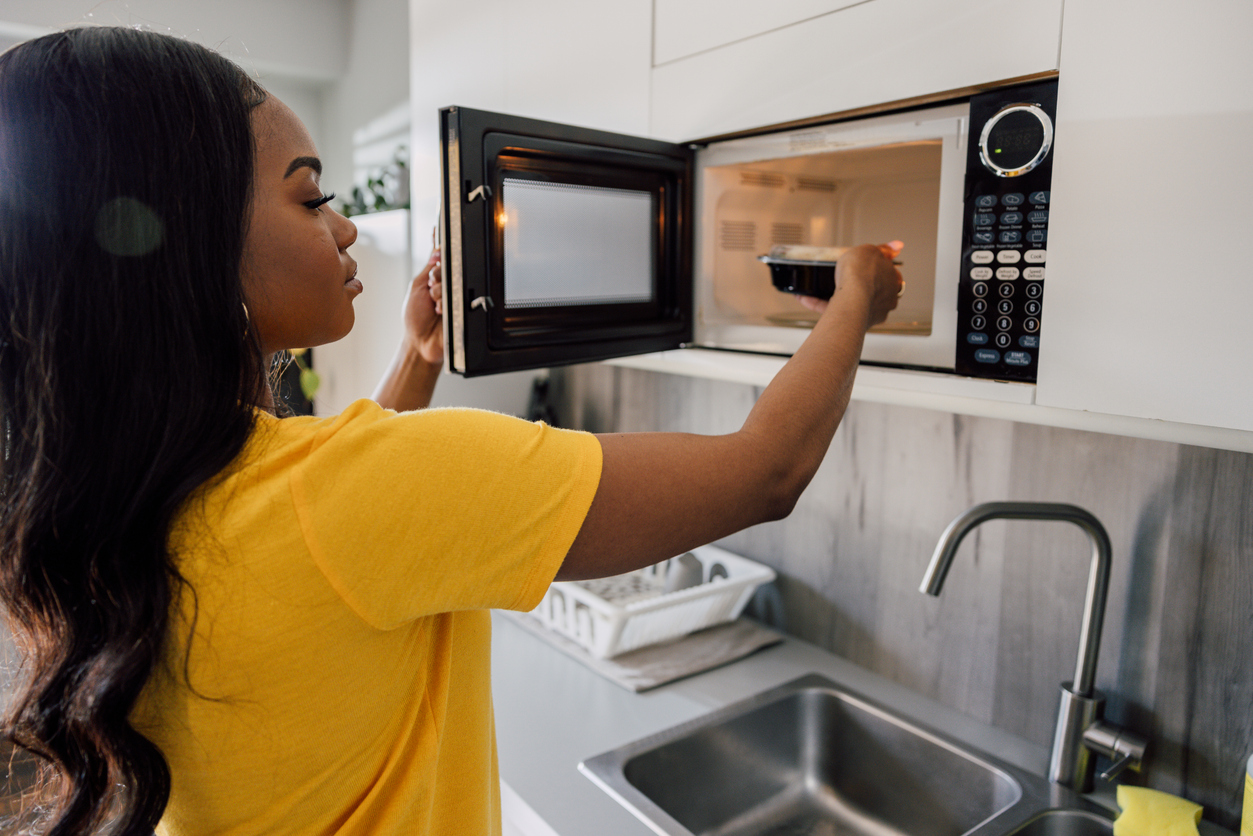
x=296 y=48
x=304 y=38
x=374 y=81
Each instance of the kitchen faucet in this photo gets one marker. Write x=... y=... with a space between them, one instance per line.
x=1080 y=731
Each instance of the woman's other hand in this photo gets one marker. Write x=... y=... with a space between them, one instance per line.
x=871 y=268
x=424 y=311
x=410 y=380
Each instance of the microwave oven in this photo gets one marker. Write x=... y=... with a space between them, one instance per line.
x=567 y=245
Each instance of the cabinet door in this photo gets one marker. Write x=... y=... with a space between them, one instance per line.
x=1149 y=299
x=686 y=27
x=866 y=54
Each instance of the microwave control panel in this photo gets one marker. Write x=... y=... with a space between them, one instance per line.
x=1000 y=298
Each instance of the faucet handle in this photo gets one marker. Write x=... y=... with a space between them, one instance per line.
x=1123 y=747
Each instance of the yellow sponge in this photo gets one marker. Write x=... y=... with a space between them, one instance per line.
x=1152 y=813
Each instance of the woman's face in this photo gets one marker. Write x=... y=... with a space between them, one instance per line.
x=298 y=277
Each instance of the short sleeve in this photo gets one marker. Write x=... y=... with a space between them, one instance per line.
x=440 y=510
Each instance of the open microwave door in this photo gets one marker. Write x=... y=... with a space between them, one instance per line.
x=561 y=244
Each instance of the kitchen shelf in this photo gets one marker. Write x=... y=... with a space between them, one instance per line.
x=942 y=392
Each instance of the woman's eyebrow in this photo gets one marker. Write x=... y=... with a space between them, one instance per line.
x=303 y=162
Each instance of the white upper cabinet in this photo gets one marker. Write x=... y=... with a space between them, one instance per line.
x=585 y=64
x=721 y=67
x=1150 y=305
x=686 y=27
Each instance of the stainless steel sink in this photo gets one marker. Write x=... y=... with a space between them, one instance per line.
x=1066 y=823
x=812 y=758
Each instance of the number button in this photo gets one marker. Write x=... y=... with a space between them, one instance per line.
x=1005 y=306
x=980 y=289
x=1006 y=291
x=1031 y=324
x=979 y=306
x=1003 y=340
x=978 y=323
x=1004 y=323
x=1032 y=308
x=1034 y=291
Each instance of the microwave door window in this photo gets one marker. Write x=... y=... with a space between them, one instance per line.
x=567 y=244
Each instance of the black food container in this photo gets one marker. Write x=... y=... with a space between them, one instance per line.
x=806 y=278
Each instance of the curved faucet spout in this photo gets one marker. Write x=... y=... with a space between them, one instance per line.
x=1098 y=574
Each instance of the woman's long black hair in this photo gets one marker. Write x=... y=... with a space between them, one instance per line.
x=128 y=375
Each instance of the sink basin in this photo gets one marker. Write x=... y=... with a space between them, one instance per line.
x=1066 y=823
x=810 y=757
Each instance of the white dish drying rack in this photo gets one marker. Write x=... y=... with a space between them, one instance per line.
x=609 y=616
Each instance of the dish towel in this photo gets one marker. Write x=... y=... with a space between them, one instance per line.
x=649 y=667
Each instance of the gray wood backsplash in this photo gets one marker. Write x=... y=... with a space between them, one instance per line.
x=1175 y=661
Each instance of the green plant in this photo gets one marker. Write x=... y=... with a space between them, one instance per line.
x=309 y=379
x=385 y=188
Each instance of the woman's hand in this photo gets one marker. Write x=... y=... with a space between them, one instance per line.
x=410 y=379
x=424 y=311
x=872 y=268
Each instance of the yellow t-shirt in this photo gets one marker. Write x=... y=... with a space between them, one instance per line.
x=340 y=578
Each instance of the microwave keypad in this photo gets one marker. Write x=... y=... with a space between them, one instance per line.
x=1004 y=243
x=1005 y=270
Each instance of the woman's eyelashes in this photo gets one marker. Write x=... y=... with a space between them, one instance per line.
x=321 y=201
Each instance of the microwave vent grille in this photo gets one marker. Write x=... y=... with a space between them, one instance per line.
x=739 y=235
x=787 y=233
x=811 y=184
x=762 y=178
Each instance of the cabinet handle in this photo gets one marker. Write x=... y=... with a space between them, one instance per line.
x=483 y=191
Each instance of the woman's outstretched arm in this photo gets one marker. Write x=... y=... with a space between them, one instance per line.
x=661 y=494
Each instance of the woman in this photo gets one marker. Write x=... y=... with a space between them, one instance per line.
x=232 y=623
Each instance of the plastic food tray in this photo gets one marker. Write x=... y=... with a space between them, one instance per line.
x=609 y=616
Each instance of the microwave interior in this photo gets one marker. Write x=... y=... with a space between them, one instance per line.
x=890 y=178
